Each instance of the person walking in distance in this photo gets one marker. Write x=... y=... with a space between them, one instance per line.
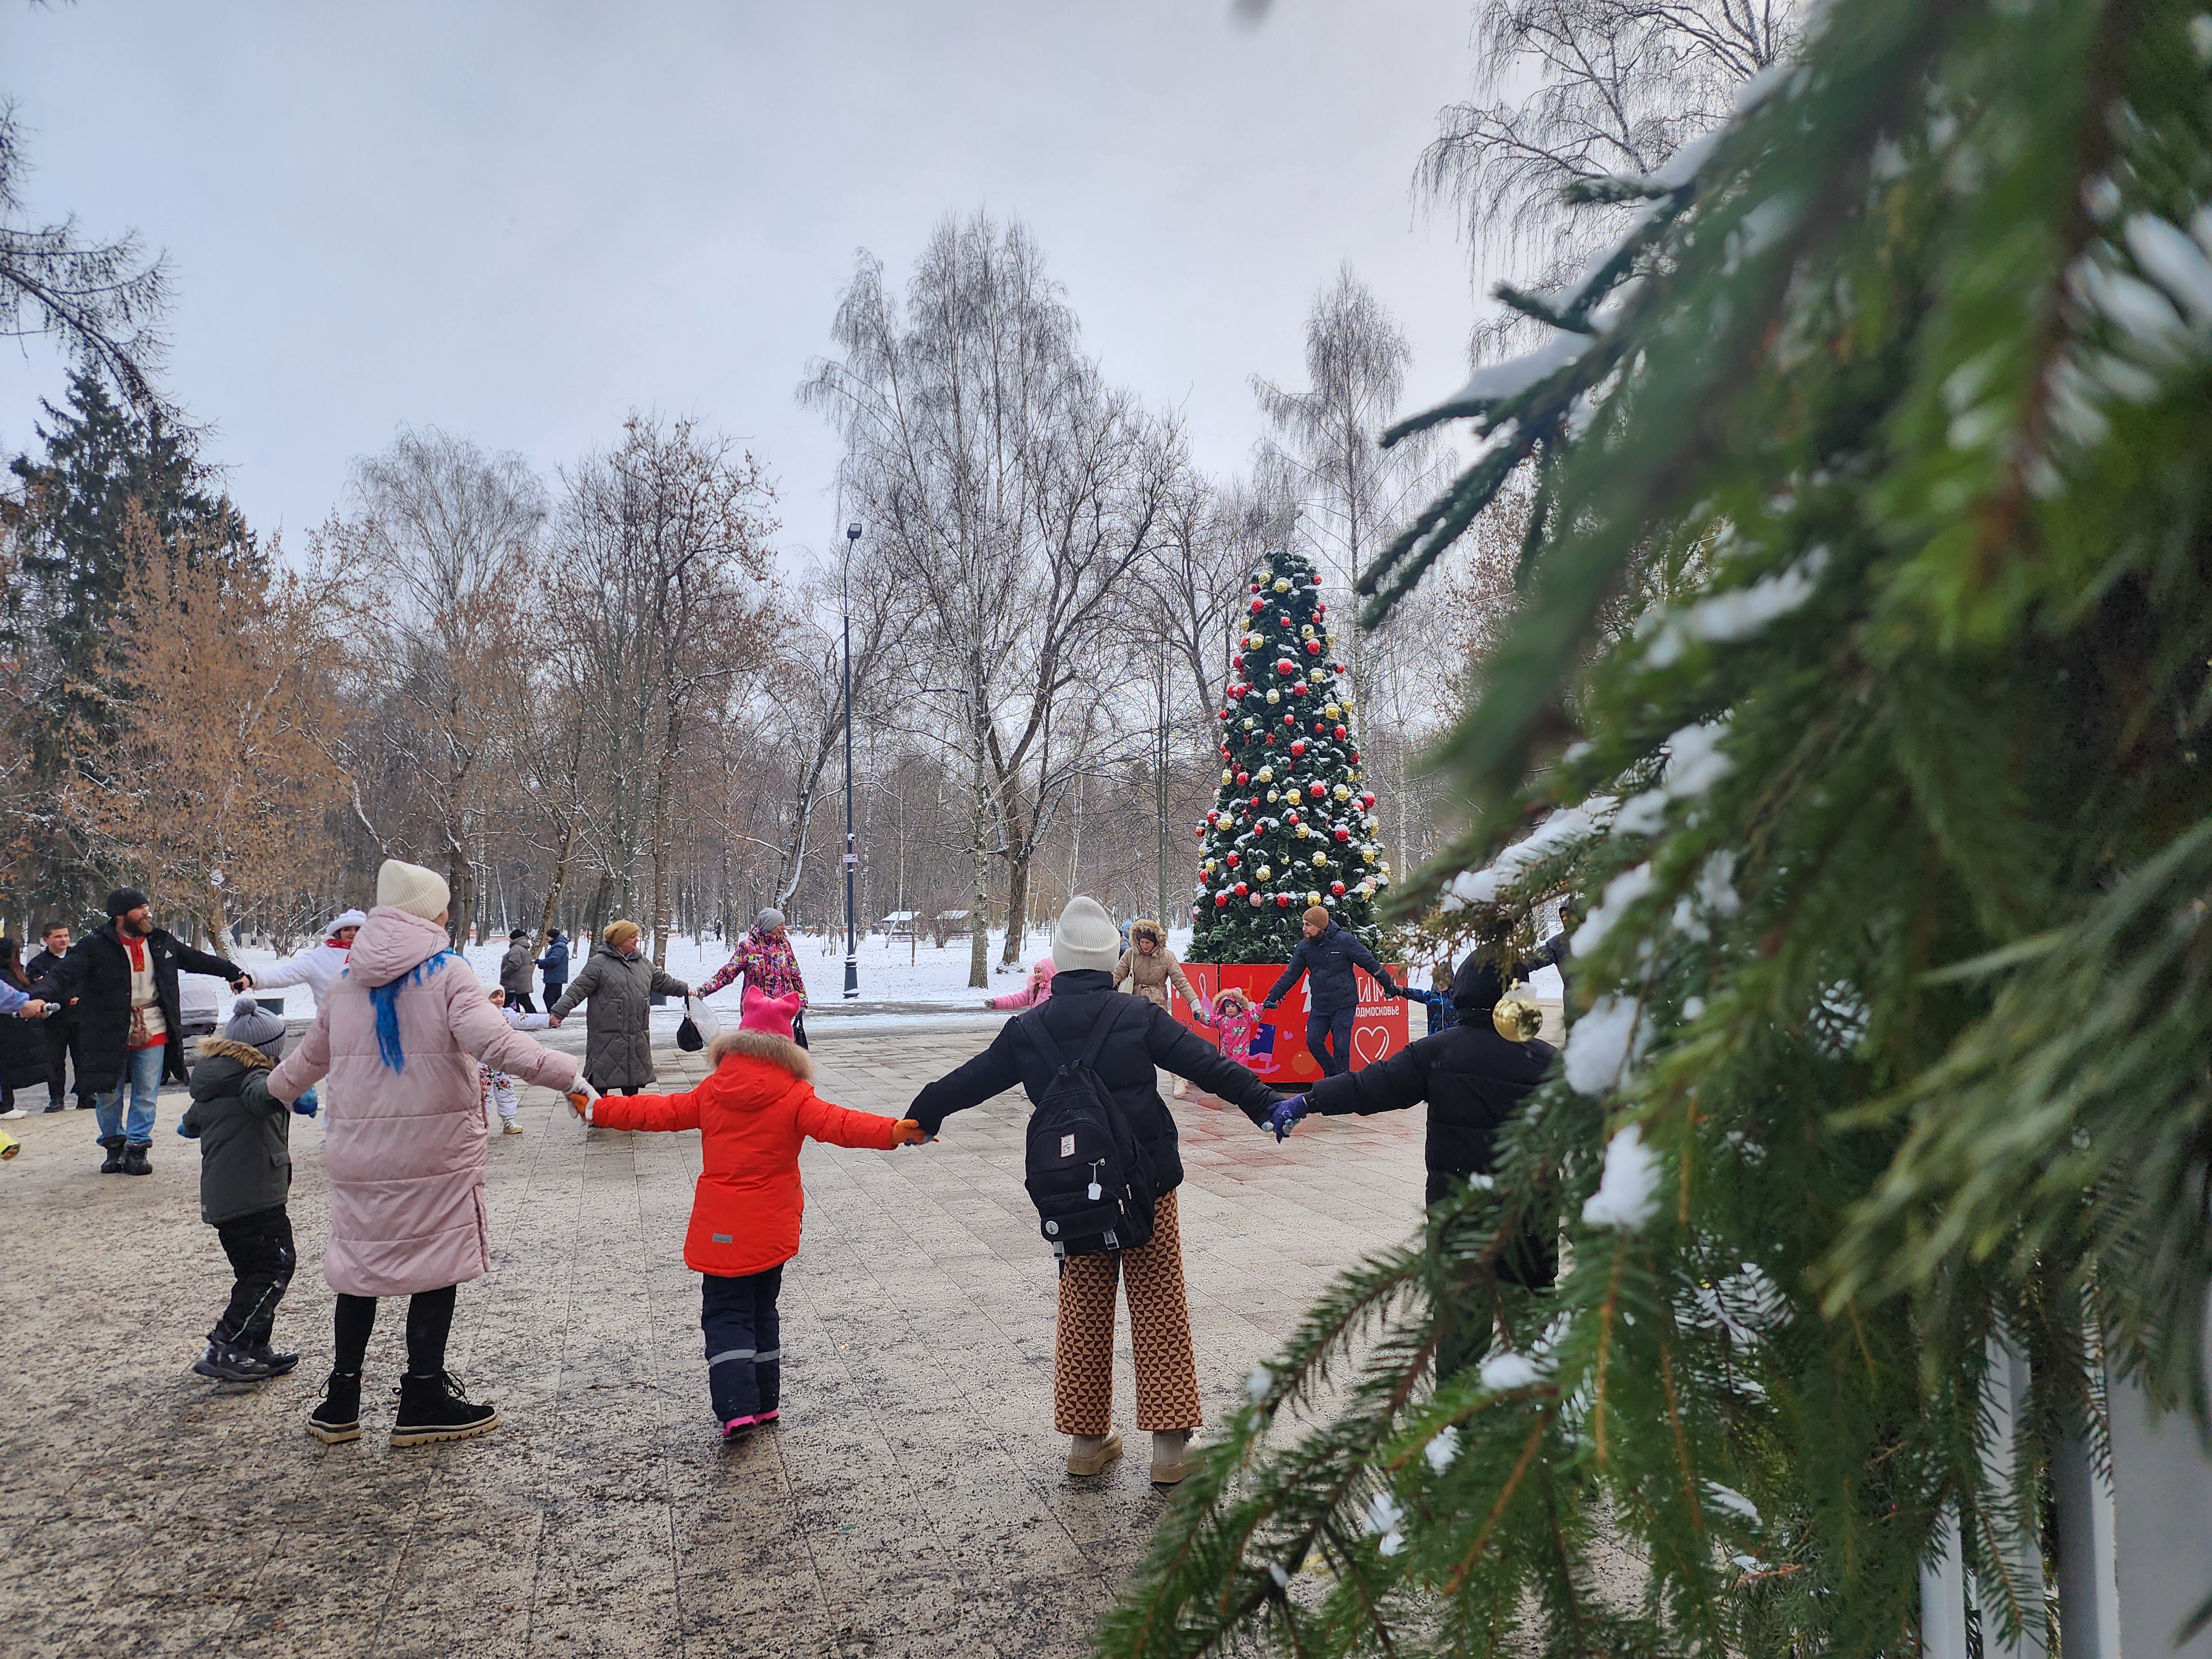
x=403 y=1032
x=618 y=984
x=554 y=964
x=124 y=980
x=22 y=1044
x=1131 y=1036
x=65 y=1048
x=1327 y=956
x=515 y=971
x=769 y=965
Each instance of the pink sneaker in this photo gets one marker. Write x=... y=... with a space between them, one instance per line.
x=737 y=1426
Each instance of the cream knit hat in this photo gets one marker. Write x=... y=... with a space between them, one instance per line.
x=411 y=888
x=1085 y=937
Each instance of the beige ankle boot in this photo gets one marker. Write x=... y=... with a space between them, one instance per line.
x=1089 y=1453
x=1172 y=1459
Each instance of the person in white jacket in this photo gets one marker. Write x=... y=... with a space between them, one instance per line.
x=319 y=967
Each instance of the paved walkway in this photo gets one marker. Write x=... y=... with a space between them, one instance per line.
x=912 y=1504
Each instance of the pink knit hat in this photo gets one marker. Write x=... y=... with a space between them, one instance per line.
x=763 y=1012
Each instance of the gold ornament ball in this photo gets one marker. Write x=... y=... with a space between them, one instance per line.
x=1265 y=872
x=1282 y=584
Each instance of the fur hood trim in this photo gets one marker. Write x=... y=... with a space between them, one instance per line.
x=1145 y=925
x=222 y=1047
x=762 y=1045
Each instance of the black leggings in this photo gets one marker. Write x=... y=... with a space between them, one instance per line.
x=430 y=1322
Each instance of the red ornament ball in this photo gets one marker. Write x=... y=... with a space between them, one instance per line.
x=1241 y=890
x=1313 y=648
x=1236 y=859
x=1258 y=605
x=1317 y=581
x=1367 y=799
x=1344 y=834
x=1285 y=619
x=1336 y=887
x=1224 y=714
x=1318 y=790
x=1355 y=758
x=1237 y=661
x=1220 y=901
x=1243 y=777
x=1282 y=900
x=1286 y=666
x=1290 y=720
x=1213 y=817
x=1298 y=746
x=1341 y=734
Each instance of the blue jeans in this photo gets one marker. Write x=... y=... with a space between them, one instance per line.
x=1336 y=1026
x=142 y=1076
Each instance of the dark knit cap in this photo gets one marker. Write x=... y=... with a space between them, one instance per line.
x=520 y=932
x=255 y=1026
x=124 y=900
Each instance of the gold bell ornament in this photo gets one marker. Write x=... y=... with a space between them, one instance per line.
x=1518 y=1018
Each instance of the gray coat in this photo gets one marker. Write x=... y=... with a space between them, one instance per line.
x=245 y=1132
x=617 y=1043
x=517 y=968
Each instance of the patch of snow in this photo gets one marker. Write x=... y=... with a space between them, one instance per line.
x=1384 y=1513
x=1495 y=382
x=1622 y=892
x=1565 y=827
x=1257 y=1384
x=1440 y=1451
x=2200 y=36
x=1696 y=760
x=1716 y=884
x=1722 y=618
x=2176 y=263
x=1732 y=1502
x=1643 y=815
x=1275 y=1571
x=1627 y=1194
x=1605 y=1044
x=1501 y=1373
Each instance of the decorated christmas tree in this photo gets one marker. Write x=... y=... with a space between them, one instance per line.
x=1292 y=825
x=1881 y=1137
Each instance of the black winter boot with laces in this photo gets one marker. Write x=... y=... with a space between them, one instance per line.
x=114 y=1163
x=338 y=1418
x=434 y=1408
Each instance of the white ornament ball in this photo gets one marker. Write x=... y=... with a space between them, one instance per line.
x=1275 y=696
x=1273 y=795
x=1250 y=725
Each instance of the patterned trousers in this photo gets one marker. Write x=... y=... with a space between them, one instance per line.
x=1159 y=1336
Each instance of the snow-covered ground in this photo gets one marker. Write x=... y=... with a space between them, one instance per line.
x=919 y=976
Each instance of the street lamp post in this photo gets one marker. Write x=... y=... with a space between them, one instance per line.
x=852 y=857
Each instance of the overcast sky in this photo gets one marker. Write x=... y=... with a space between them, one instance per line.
x=519 y=221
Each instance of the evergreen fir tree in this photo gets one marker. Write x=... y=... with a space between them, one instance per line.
x=1890 y=1012
x=114 y=483
x=1292 y=824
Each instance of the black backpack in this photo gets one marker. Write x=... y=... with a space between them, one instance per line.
x=1085 y=1170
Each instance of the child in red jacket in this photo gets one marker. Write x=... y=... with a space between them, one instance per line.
x=752 y=1114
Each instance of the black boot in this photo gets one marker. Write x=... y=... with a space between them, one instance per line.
x=338 y=1418
x=135 y=1161
x=433 y=1408
x=228 y=1362
x=280 y=1363
x=114 y=1165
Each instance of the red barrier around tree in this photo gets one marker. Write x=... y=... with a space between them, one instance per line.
x=1378 y=1030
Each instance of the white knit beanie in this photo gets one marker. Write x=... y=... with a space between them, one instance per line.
x=1085 y=937
x=411 y=888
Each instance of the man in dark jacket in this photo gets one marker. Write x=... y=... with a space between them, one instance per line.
x=1140 y=1036
x=245 y=1178
x=1474 y=1079
x=554 y=964
x=515 y=971
x=63 y=1045
x=124 y=978
x=1327 y=956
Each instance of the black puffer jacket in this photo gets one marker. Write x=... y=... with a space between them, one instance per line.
x=23 y=1050
x=1327 y=963
x=244 y=1132
x=1473 y=1079
x=1145 y=1036
x=97 y=971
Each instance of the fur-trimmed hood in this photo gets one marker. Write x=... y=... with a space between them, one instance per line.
x=1144 y=925
x=223 y=1048
x=762 y=1045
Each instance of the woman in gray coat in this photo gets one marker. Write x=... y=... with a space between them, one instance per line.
x=618 y=983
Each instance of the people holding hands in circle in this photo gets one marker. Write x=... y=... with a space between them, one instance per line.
x=1327 y=956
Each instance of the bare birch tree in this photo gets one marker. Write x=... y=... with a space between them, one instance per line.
x=1012 y=489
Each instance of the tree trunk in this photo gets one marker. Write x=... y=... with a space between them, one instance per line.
x=1018 y=901
x=979 y=900
x=553 y=893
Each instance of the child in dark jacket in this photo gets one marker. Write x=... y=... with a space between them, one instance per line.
x=753 y=1114
x=245 y=1177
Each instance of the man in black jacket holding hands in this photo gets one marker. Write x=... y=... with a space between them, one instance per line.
x=63 y=1045
x=1327 y=956
x=1473 y=1078
x=123 y=978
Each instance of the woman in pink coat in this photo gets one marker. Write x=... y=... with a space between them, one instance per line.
x=401 y=1034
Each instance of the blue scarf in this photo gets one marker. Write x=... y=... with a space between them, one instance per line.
x=385 y=998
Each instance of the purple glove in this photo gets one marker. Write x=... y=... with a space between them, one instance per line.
x=1284 y=1118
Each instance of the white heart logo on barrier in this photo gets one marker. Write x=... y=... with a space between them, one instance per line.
x=1370 y=1044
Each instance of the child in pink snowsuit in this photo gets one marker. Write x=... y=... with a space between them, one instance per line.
x=1038 y=989
x=1235 y=1021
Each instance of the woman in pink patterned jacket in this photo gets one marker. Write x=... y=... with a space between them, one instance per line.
x=765 y=958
